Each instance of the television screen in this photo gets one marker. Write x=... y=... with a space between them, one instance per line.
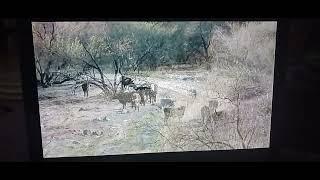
x=111 y=88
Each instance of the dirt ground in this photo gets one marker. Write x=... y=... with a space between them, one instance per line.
x=74 y=125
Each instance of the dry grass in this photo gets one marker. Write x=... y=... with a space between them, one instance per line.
x=252 y=46
x=241 y=80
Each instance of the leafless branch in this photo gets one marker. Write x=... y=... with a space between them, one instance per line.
x=223 y=143
x=199 y=52
x=200 y=139
x=246 y=135
x=253 y=131
x=38 y=34
x=90 y=55
x=38 y=70
x=108 y=80
x=139 y=60
x=98 y=85
x=88 y=64
x=238 y=123
x=52 y=36
x=94 y=61
x=209 y=130
x=164 y=137
x=39 y=65
x=56 y=77
x=223 y=98
x=209 y=43
x=95 y=79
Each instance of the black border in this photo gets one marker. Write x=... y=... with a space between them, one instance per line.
x=278 y=86
x=29 y=86
x=32 y=106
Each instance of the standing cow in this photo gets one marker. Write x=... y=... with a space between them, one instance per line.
x=85 y=88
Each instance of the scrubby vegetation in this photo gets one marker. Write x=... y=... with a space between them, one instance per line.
x=192 y=63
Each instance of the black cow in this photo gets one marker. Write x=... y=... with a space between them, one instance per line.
x=125 y=81
x=142 y=88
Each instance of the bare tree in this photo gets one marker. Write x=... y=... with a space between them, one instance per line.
x=48 y=63
x=102 y=82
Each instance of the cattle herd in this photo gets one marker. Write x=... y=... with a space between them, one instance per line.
x=130 y=93
x=135 y=94
x=138 y=95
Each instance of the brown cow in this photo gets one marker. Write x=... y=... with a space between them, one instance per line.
x=85 y=88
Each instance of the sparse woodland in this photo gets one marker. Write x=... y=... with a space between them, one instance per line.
x=219 y=76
